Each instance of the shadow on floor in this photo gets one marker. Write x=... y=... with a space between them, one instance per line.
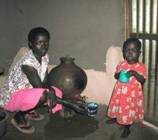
x=54 y=127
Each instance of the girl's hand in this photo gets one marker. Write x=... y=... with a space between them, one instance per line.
x=132 y=73
x=117 y=75
x=139 y=77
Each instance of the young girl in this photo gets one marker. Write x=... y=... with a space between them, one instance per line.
x=25 y=85
x=126 y=103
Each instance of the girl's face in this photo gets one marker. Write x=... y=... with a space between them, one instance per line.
x=131 y=54
x=40 y=45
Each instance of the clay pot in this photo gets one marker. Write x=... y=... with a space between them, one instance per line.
x=69 y=77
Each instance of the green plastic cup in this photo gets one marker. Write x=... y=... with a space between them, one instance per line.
x=124 y=76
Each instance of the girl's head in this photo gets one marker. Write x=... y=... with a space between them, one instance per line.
x=131 y=50
x=38 y=41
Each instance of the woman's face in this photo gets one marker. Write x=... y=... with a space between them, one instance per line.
x=40 y=45
x=131 y=54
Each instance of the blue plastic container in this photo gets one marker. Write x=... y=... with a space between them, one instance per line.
x=92 y=109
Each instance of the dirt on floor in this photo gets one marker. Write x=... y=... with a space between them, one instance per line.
x=55 y=127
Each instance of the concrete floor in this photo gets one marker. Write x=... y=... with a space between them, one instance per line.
x=54 y=127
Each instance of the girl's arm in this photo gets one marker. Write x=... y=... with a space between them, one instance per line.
x=139 y=77
x=32 y=76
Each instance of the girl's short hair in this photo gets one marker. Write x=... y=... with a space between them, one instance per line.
x=134 y=41
x=37 y=31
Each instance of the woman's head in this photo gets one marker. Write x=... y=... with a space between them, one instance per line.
x=38 y=40
x=131 y=50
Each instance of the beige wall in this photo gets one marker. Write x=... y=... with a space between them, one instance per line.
x=82 y=28
x=13 y=24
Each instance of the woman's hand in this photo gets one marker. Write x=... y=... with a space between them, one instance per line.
x=52 y=98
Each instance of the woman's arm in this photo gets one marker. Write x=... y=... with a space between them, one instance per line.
x=45 y=80
x=32 y=76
